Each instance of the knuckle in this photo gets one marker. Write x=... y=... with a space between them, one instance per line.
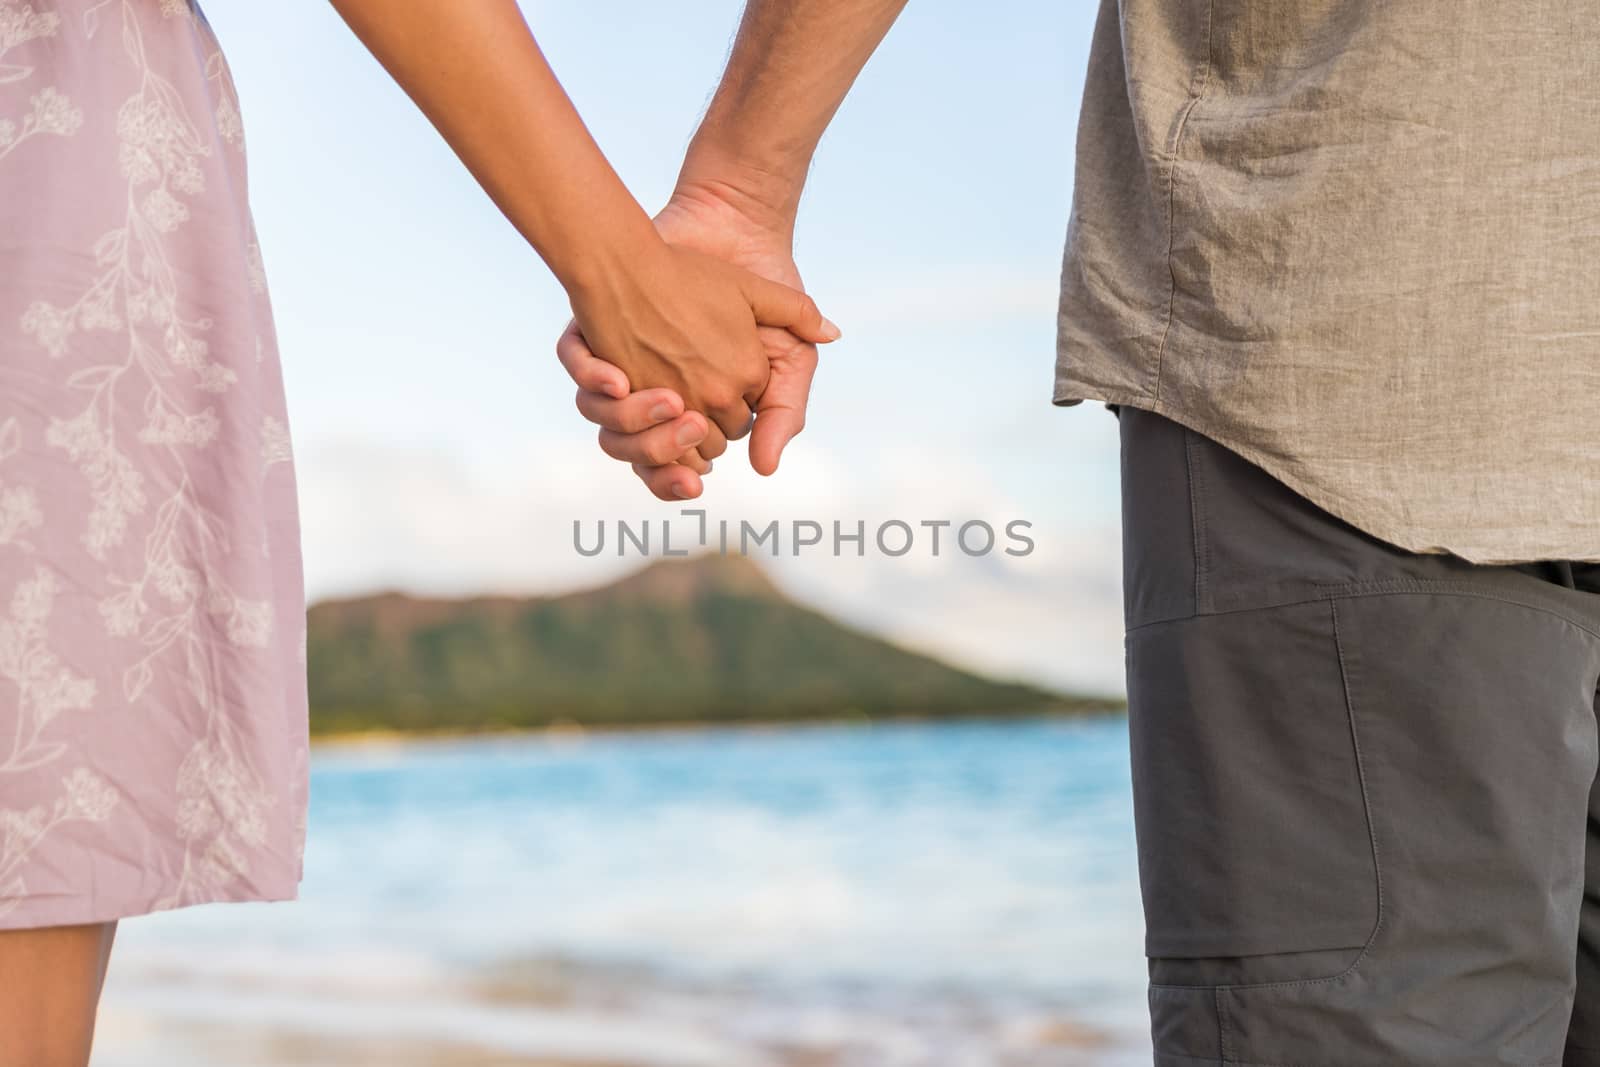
x=720 y=396
x=658 y=451
x=589 y=406
x=628 y=417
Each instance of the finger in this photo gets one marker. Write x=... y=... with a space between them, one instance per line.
x=671 y=482
x=781 y=415
x=774 y=429
x=752 y=395
x=587 y=369
x=734 y=420
x=633 y=413
x=658 y=445
x=715 y=443
x=695 y=462
x=776 y=304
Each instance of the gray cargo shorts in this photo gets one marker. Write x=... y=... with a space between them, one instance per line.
x=1363 y=778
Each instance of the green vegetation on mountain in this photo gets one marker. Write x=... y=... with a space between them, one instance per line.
x=700 y=640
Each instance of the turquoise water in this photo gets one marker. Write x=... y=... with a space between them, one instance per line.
x=905 y=895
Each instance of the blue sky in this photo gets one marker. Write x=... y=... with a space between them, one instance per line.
x=437 y=446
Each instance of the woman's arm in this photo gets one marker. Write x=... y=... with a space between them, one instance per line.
x=666 y=316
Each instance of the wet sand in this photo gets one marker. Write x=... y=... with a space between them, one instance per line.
x=528 y=1016
x=201 y=1045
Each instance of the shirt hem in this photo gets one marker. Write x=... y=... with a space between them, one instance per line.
x=1411 y=539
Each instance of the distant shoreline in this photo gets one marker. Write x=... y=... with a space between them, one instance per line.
x=568 y=728
x=699 y=642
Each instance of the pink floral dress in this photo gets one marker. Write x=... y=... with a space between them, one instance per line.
x=152 y=617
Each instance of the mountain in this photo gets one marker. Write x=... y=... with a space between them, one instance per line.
x=706 y=639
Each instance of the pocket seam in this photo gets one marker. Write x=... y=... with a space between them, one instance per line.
x=1197 y=524
x=1224 y=1026
x=1448 y=587
x=1372 y=841
x=1388 y=587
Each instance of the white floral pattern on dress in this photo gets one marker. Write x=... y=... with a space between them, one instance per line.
x=50 y=112
x=85 y=797
x=43 y=687
x=274 y=442
x=159 y=580
x=19 y=504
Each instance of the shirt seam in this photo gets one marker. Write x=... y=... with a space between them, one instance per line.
x=1172 y=185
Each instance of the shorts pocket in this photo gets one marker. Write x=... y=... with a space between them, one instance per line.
x=1256 y=857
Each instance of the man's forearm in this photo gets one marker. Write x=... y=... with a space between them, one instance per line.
x=791 y=66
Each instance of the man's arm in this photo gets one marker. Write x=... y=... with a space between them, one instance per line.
x=791 y=66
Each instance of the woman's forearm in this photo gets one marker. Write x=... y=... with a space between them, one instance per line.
x=474 y=69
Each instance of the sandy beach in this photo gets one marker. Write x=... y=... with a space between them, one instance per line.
x=234 y=1046
x=546 y=1013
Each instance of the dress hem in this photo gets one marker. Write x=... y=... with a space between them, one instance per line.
x=71 y=911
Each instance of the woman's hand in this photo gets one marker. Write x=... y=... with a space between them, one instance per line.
x=671 y=317
x=643 y=427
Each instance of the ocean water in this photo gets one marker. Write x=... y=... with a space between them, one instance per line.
x=894 y=895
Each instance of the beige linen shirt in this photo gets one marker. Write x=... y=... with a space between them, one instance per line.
x=1356 y=242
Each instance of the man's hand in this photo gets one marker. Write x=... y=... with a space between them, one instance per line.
x=652 y=429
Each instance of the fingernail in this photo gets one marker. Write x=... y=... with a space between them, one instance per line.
x=830 y=331
x=680 y=491
x=689 y=433
x=661 y=412
x=708 y=466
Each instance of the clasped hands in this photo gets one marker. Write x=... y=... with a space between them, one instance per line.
x=698 y=340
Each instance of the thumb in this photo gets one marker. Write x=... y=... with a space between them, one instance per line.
x=775 y=304
x=774 y=429
x=781 y=411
